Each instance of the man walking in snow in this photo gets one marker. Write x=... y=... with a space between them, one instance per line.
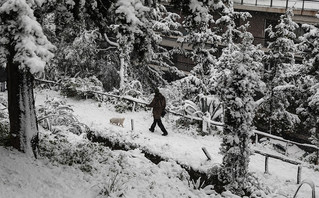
x=158 y=104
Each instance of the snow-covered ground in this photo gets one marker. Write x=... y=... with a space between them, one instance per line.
x=22 y=177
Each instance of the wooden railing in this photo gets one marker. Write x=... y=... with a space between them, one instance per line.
x=283 y=140
x=284 y=159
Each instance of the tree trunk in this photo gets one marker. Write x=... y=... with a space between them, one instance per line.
x=22 y=116
x=122 y=71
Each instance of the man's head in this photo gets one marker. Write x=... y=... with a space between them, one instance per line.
x=156 y=91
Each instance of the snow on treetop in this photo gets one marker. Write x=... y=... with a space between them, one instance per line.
x=31 y=45
x=70 y=2
x=200 y=11
x=197 y=6
x=132 y=9
x=218 y=5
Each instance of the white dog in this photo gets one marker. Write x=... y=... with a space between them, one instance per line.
x=117 y=121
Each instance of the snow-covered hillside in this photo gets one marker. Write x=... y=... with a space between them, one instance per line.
x=131 y=174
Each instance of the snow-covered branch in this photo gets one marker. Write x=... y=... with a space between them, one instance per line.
x=111 y=42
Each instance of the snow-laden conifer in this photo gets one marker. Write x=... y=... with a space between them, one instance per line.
x=309 y=82
x=204 y=41
x=281 y=74
x=240 y=78
x=25 y=51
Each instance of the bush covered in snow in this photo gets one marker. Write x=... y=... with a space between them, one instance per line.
x=123 y=105
x=181 y=99
x=131 y=91
x=56 y=116
x=81 y=87
x=254 y=187
x=311 y=158
x=133 y=88
x=60 y=151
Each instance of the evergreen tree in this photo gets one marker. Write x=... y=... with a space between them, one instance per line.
x=281 y=75
x=204 y=43
x=25 y=51
x=240 y=70
x=309 y=82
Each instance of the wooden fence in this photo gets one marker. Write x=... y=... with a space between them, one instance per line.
x=284 y=159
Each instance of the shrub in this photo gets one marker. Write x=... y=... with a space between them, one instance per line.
x=60 y=151
x=55 y=115
x=311 y=158
x=123 y=106
x=113 y=186
x=133 y=90
x=81 y=87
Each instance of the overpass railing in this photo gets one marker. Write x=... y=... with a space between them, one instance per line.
x=296 y=4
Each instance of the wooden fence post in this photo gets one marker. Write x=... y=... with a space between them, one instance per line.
x=256 y=139
x=133 y=108
x=205 y=119
x=223 y=115
x=299 y=174
x=204 y=127
x=266 y=164
x=132 y=124
x=206 y=153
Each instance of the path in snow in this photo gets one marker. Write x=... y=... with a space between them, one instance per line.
x=183 y=148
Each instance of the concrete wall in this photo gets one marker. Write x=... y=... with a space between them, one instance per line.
x=258 y=23
x=263 y=16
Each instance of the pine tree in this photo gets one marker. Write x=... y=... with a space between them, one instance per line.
x=240 y=70
x=281 y=67
x=309 y=82
x=24 y=51
x=204 y=43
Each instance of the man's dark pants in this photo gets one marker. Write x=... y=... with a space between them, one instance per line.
x=160 y=124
